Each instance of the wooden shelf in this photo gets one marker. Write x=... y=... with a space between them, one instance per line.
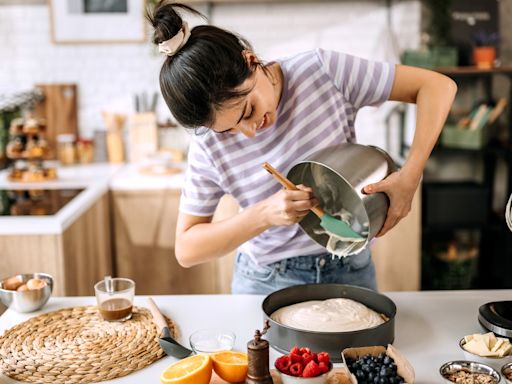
x=471 y=70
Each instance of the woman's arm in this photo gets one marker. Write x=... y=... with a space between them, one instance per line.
x=433 y=93
x=199 y=240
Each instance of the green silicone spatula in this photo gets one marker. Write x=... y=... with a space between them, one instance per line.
x=332 y=225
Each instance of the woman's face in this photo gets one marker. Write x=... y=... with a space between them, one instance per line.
x=255 y=111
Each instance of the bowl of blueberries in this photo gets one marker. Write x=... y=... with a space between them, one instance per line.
x=377 y=365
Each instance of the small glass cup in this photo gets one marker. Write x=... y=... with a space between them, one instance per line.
x=212 y=340
x=115 y=298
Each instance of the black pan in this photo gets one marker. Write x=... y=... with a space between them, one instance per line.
x=283 y=338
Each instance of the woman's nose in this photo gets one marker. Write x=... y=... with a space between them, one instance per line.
x=248 y=128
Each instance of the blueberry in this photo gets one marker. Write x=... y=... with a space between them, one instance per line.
x=387 y=360
x=370 y=376
x=360 y=374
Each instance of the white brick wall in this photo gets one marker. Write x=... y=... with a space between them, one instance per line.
x=109 y=75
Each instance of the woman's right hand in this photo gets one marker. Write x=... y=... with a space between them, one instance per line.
x=288 y=207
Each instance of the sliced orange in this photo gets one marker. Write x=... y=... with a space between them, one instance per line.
x=195 y=369
x=230 y=365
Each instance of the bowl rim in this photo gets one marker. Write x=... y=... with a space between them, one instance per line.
x=219 y=331
x=462 y=342
x=494 y=372
x=46 y=276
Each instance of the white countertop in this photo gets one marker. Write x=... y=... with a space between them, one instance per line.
x=129 y=178
x=95 y=179
x=427 y=328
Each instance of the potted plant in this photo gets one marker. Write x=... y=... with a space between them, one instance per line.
x=484 y=52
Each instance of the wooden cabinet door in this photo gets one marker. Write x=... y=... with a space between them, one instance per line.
x=144 y=227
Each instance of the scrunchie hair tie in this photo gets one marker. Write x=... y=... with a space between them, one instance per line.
x=173 y=45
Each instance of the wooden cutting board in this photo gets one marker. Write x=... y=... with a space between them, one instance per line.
x=60 y=110
x=337 y=376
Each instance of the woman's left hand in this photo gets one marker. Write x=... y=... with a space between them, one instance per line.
x=400 y=188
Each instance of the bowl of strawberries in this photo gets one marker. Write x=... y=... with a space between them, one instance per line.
x=302 y=366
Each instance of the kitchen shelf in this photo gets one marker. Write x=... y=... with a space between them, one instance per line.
x=447 y=211
x=471 y=70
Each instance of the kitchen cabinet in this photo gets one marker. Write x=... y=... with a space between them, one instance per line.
x=77 y=257
x=144 y=226
x=397 y=255
x=145 y=223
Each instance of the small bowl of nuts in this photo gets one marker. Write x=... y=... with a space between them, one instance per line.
x=469 y=372
x=26 y=292
x=506 y=372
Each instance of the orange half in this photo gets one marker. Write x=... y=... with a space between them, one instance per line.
x=230 y=366
x=195 y=369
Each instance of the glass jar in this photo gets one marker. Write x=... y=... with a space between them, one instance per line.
x=84 y=151
x=66 y=152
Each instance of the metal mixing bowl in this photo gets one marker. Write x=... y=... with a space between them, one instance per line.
x=30 y=300
x=469 y=366
x=337 y=175
x=283 y=338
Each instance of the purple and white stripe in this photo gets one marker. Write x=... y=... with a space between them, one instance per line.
x=323 y=91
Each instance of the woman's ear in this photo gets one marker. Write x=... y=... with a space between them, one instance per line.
x=250 y=57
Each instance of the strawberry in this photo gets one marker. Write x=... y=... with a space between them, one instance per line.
x=324 y=356
x=311 y=370
x=324 y=367
x=296 y=369
x=295 y=350
x=283 y=364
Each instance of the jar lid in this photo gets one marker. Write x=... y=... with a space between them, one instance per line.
x=66 y=138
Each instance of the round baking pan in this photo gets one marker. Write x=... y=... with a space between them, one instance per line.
x=283 y=338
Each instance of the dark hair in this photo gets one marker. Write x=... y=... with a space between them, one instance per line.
x=205 y=72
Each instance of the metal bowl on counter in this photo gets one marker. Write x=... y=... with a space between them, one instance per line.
x=283 y=338
x=467 y=367
x=506 y=372
x=26 y=300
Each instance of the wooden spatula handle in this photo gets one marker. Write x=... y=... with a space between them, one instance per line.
x=158 y=318
x=289 y=185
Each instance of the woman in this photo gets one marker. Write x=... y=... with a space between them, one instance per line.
x=281 y=112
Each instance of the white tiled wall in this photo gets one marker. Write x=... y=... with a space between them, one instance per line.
x=109 y=75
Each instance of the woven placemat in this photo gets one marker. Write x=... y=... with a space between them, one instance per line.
x=74 y=345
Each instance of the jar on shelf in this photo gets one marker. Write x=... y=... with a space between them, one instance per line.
x=66 y=152
x=84 y=151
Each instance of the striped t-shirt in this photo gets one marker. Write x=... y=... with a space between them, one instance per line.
x=322 y=93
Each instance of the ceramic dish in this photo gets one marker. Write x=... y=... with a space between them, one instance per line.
x=494 y=362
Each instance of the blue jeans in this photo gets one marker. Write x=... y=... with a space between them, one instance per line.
x=249 y=278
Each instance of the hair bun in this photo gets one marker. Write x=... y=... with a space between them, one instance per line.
x=166 y=20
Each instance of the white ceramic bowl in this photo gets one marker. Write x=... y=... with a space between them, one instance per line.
x=212 y=340
x=30 y=300
x=506 y=372
x=289 y=379
x=468 y=366
x=494 y=362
